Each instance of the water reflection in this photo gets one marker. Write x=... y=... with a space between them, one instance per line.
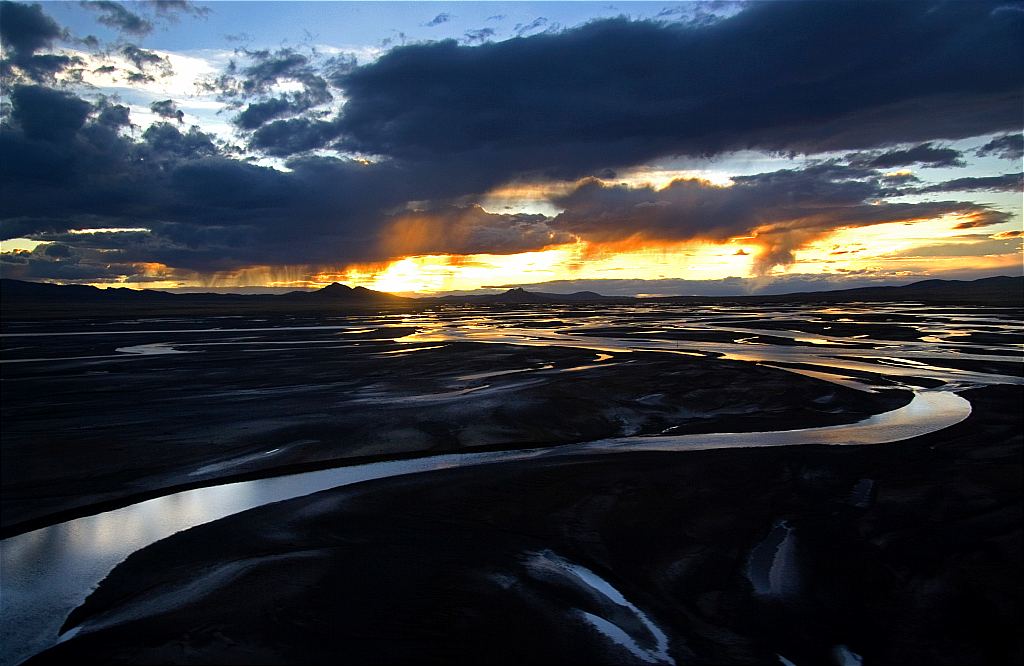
x=48 y=572
x=776 y=334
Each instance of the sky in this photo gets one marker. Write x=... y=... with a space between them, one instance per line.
x=629 y=148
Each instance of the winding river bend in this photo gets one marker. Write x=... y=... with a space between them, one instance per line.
x=50 y=571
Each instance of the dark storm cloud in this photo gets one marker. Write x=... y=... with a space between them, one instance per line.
x=785 y=209
x=924 y=154
x=24 y=30
x=1010 y=182
x=1008 y=147
x=270 y=66
x=295 y=135
x=788 y=76
x=111 y=114
x=250 y=86
x=164 y=139
x=60 y=251
x=257 y=114
x=62 y=262
x=260 y=113
x=44 y=113
x=446 y=123
x=76 y=170
x=15 y=258
x=43 y=68
x=168 y=109
x=900 y=179
x=206 y=212
x=266 y=68
x=115 y=15
x=95 y=240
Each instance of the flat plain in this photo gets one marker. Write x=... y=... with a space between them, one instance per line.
x=582 y=483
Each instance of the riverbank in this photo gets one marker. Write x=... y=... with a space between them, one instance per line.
x=902 y=553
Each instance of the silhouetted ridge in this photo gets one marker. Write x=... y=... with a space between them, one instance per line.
x=519 y=295
x=1002 y=290
x=16 y=291
x=335 y=289
x=342 y=292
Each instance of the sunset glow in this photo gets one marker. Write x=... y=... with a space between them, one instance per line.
x=877 y=249
x=190 y=154
x=380 y=331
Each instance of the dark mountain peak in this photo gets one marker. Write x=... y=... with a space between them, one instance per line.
x=999 y=290
x=519 y=295
x=336 y=289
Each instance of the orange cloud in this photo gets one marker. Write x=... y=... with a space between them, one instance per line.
x=466 y=230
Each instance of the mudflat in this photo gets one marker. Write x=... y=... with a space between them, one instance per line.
x=568 y=550
x=121 y=411
x=902 y=553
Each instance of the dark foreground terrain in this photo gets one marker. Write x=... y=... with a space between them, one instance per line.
x=905 y=552
x=901 y=554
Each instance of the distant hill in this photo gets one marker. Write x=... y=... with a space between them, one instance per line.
x=520 y=296
x=1008 y=291
x=337 y=292
x=993 y=291
x=1002 y=290
x=16 y=292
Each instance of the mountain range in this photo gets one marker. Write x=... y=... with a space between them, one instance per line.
x=1001 y=290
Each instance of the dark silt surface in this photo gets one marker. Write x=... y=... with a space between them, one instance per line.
x=734 y=556
x=899 y=554
x=124 y=409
